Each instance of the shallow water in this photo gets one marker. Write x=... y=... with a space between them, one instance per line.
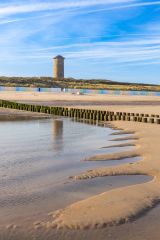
x=36 y=159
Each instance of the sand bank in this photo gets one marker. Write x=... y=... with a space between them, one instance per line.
x=114 y=156
x=13 y=115
x=130 y=144
x=122 y=204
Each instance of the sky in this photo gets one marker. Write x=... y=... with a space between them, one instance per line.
x=106 y=39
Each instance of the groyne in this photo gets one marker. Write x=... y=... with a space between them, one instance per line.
x=87 y=114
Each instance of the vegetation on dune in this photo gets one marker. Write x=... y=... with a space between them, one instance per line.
x=49 y=82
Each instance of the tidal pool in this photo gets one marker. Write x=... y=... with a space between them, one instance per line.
x=36 y=159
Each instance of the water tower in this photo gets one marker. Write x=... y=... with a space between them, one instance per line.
x=59 y=67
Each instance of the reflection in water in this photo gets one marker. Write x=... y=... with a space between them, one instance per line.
x=90 y=122
x=57 y=135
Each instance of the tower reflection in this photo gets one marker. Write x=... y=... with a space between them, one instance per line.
x=57 y=135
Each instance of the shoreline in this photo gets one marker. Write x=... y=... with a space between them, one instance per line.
x=127 y=203
x=7 y=114
x=124 y=204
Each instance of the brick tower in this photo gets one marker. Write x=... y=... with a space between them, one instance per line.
x=59 y=67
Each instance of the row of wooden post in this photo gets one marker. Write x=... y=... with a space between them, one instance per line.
x=95 y=115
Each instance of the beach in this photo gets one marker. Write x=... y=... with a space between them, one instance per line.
x=142 y=104
x=129 y=212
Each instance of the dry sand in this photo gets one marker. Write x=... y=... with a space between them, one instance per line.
x=143 y=104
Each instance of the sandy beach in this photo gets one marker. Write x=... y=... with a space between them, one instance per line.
x=80 y=120
x=127 y=203
x=143 y=104
x=118 y=207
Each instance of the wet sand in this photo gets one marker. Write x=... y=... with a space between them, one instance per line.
x=127 y=203
x=120 y=205
x=35 y=170
x=15 y=115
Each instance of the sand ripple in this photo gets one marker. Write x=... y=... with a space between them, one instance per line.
x=122 y=204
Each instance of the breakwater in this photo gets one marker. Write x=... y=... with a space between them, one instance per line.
x=87 y=114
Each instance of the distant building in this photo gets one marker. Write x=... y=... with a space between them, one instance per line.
x=59 y=67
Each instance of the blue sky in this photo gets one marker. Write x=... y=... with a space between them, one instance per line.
x=107 y=39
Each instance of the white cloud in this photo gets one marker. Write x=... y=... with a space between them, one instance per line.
x=125 y=6
x=59 y=5
x=127 y=52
